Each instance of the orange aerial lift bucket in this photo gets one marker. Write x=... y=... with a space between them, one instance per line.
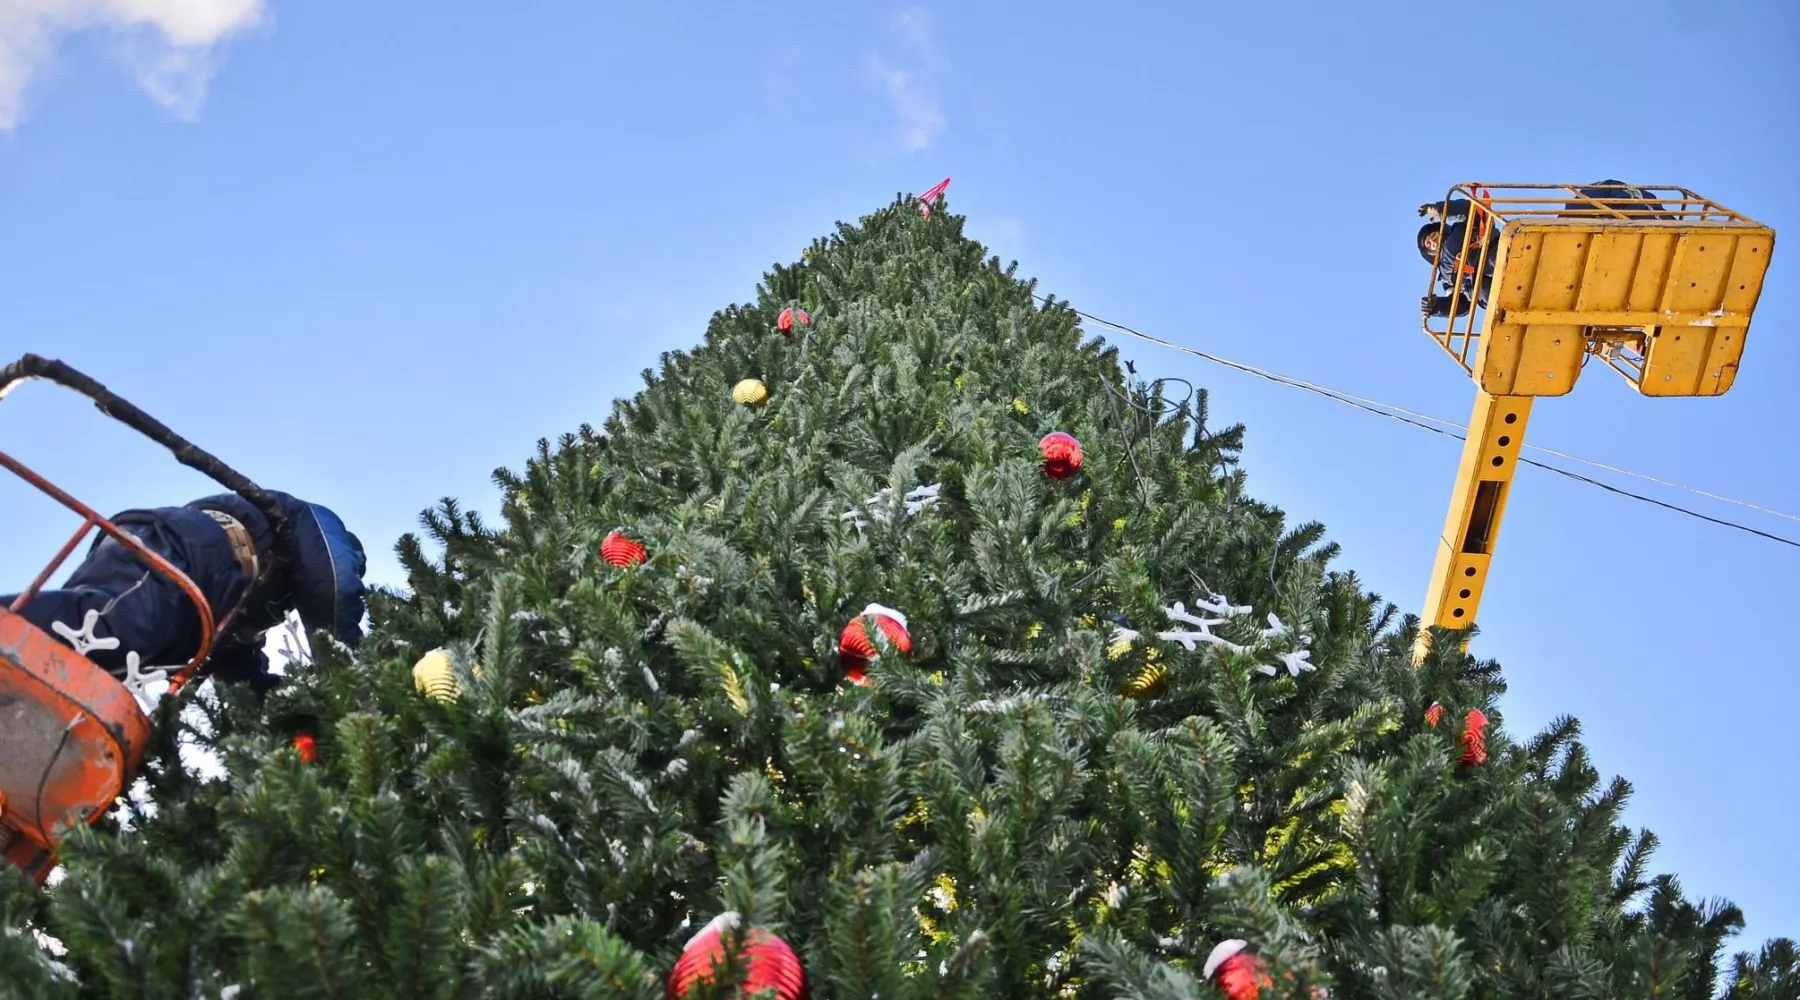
x=71 y=735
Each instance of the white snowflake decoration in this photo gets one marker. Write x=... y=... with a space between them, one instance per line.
x=876 y=507
x=1178 y=612
x=85 y=640
x=1293 y=661
x=139 y=680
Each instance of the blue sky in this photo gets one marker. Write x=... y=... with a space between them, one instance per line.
x=370 y=252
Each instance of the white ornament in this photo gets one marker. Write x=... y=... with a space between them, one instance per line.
x=876 y=507
x=138 y=681
x=880 y=611
x=1221 y=953
x=1293 y=661
x=723 y=922
x=1178 y=612
x=1219 y=604
x=84 y=640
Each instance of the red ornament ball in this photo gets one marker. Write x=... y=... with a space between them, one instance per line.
x=856 y=647
x=1474 y=741
x=1433 y=714
x=619 y=550
x=789 y=316
x=307 y=747
x=1062 y=455
x=1237 y=972
x=769 y=962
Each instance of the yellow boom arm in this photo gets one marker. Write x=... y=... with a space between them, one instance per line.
x=1483 y=484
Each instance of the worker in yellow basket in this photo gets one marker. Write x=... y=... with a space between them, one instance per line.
x=1600 y=191
x=1441 y=243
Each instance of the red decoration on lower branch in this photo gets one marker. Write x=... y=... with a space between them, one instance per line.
x=769 y=962
x=1062 y=455
x=856 y=647
x=307 y=747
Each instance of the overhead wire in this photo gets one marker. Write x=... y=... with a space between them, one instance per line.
x=1452 y=429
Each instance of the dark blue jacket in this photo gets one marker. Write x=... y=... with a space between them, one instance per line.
x=323 y=581
x=1458 y=215
x=1600 y=191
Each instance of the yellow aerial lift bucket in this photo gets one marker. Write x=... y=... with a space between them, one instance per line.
x=1658 y=282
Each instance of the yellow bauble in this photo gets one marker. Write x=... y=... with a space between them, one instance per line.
x=750 y=392
x=433 y=676
x=1152 y=680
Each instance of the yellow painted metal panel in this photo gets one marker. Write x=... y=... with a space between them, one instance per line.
x=1612 y=263
x=1709 y=295
x=1652 y=270
x=1676 y=361
x=1550 y=361
x=1697 y=279
x=1498 y=359
x=1690 y=287
x=1562 y=257
x=1538 y=317
x=1749 y=263
x=1536 y=268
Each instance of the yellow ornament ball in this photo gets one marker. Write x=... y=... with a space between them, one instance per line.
x=1120 y=644
x=1151 y=681
x=750 y=392
x=433 y=676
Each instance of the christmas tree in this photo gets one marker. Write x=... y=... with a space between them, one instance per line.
x=897 y=625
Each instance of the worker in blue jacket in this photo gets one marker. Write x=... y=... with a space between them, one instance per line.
x=224 y=544
x=1441 y=243
x=1643 y=209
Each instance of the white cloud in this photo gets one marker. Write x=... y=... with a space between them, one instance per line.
x=169 y=46
x=910 y=79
